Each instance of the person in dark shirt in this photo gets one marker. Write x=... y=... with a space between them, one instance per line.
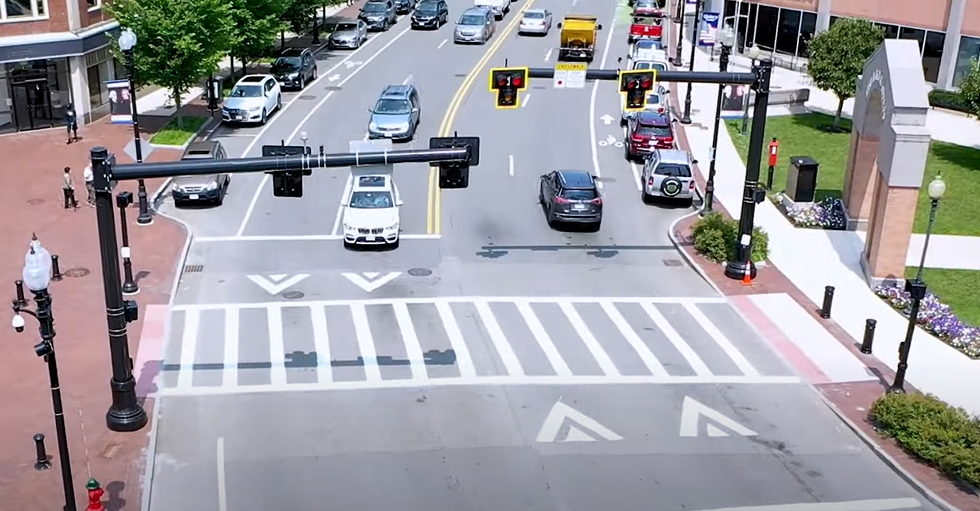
x=71 y=123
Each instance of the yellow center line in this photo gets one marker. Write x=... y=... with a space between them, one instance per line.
x=434 y=207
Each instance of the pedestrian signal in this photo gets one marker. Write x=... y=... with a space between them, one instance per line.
x=635 y=85
x=507 y=83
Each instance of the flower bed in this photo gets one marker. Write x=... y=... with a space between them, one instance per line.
x=826 y=214
x=936 y=318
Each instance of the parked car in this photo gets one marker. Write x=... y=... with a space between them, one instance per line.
x=535 y=21
x=349 y=34
x=205 y=189
x=295 y=67
x=647 y=131
x=397 y=113
x=379 y=14
x=430 y=14
x=499 y=7
x=570 y=196
x=476 y=25
x=667 y=174
x=252 y=99
x=645 y=27
x=657 y=101
x=647 y=8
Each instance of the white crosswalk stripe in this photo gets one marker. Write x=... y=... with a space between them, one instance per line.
x=403 y=343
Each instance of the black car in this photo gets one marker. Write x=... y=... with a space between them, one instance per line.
x=405 y=6
x=294 y=68
x=430 y=14
x=379 y=14
x=571 y=196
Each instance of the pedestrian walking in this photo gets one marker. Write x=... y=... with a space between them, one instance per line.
x=71 y=123
x=89 y=177
x=68 y=188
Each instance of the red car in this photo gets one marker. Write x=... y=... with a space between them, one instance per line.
x=646 y=131
x=646 y=27
x=647 y=8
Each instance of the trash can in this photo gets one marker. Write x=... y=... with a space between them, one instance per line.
x=801 y=183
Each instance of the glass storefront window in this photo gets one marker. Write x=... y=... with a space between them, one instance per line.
x=916 y=34
x=788 y=34
x=891 y=31
x=932 y=55
x=22 y=9
x=808 y=27
x=40 y=91
x=766 y=27
x=969 y=49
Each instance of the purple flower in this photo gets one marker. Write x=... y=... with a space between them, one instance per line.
x=826 y=214
x=936 y=318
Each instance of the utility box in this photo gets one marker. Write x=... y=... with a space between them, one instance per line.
x=801 y=183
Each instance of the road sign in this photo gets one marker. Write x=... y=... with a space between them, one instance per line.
x=570 y=76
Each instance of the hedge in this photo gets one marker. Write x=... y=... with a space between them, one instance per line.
x=948 y=438
x=716 y=238
x=950 y=100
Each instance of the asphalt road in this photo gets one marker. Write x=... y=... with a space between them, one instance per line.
x=490 y=362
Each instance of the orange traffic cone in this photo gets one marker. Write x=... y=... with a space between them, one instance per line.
x=747 y=276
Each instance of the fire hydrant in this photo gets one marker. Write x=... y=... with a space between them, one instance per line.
x=95 y=493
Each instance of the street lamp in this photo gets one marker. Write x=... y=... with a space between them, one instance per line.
x=917 y=289
x=727 y=40
x=127 y=42
x=680 y=32
x=686 y=119
x=754 y=55
x=37 y=276
x=129 y=287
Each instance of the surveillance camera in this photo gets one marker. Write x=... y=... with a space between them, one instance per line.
x=17 y=323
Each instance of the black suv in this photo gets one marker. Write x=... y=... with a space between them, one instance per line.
x=571 y=196
x=430 y=14
x=294 y=68
x=405 y=6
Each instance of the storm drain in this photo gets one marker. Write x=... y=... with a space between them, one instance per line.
x=307 y=97
x=332 y=88
x=193 y=268
x=673 y=262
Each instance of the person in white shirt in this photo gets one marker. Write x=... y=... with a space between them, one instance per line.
x=89 y=177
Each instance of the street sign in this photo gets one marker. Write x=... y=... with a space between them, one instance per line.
x=570 y=76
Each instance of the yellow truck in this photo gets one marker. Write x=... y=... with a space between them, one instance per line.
x=578 y=36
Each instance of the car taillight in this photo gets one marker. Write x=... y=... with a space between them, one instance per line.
x=691 y=187
x=637 y=137
x=562 y=200
x=597 y=201
x=650 y=182
x=660 y=110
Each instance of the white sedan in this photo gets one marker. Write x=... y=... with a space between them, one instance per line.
x=535 y=21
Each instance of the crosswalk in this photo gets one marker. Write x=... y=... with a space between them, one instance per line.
x=404 y=343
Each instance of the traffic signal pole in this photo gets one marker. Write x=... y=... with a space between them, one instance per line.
x=662 y=76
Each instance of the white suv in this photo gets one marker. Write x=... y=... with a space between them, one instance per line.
x=252 y=99
x=371 y=212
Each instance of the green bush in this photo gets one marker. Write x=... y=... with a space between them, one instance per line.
x=950 y=100
x=944 y=436
x=716 y=238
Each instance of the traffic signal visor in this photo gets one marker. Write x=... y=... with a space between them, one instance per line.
x=509 y=77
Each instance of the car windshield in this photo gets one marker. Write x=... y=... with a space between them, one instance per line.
x=345 y=27
x=371 y=200
x=246 y=91
x=428 y=7
x=287 y=63
x=471 y=19
x=646 y=4
x=653 y=131
x=579 y=194
x=673 y=170
x=393 y=106
x=646 y=20
x=532 y=15
x=373 y=7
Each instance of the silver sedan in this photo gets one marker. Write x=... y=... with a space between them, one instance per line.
x=535 y=21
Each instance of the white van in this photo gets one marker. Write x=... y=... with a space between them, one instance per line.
x=499 y=7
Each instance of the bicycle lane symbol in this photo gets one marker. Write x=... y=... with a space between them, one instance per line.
x=610 y=141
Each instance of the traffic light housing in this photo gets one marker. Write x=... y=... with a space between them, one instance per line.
x=287 y=183
x=507 y=82
x=456 y=174
x=635 y=85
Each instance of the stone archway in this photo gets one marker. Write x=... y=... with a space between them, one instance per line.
x=887 y=156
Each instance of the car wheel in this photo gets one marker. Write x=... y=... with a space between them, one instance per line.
x=348 y=246
x=688 y=202
x=279 y=102
x=622 y=122
x=314 y=73
x=645 y=197
x=551 y=221
x=396 y=244
x=265 y=117
x=626 y=153
x=302 y=82
x=596 y=226
x=221 y=198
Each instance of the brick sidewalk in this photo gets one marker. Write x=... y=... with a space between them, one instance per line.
x=31 y=200
x=850 y=400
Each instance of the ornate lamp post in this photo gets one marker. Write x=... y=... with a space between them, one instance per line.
x=686 y=119
x=127 y=42
x=917 y=289
x=754 y=55
x=727 y=40
x=681 y=14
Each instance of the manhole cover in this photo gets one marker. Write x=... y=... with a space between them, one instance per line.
x=307 y=97
x=673 y=262
x=420 y=272
x=332 y=87
x=293 y=295
x=35 y=202
x=76 y=272
x=194 y=268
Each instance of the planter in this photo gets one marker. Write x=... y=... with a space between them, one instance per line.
x=827 y=214
x=936 y=318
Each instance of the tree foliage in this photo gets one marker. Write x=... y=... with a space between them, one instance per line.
x=299 y=13
x=257 y=23
x=837 y=57
x=178 y=41
x=970 y=87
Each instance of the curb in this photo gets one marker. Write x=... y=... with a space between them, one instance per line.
x=190 y=139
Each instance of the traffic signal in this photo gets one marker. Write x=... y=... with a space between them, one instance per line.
x=456 y=174
x=635 y=85
x=507 y=82
x=287 y=183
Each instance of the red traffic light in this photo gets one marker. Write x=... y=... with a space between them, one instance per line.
x=631 y=84
x=516 y=81
x=502 y=81
x=646 y=83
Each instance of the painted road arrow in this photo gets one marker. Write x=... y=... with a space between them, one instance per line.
x=369 y=280
x=607 y=119
x=276 y=284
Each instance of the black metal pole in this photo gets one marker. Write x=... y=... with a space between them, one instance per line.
x=709 y=187
x=144 y=217
x=129 y=286
x=736 y=269
x=686 y=119
x=46 y=321
x=712 y=77
x=316 y=31
x=680 y=34
x=745 y=109
x=917 y=290
x=925 y=245
x=125 y=412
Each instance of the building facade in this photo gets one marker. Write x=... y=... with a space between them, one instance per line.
x=948 y=31
x=54 y=53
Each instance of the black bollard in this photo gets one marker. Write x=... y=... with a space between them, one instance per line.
x=869 y=336
x=42 y=462
x=21 y=301
x=769 y=176
x=55 y=269
x=828 y=302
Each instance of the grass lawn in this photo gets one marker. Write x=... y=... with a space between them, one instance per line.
x=956 y=288
x=172 y=134
x=802 y=135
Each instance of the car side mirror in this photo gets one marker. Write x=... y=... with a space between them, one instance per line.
x=558 y=25
x=598 y=27
x=673 y=120
x=619 y=60
x=399 y=203
x=694 y=162
x=666 y=91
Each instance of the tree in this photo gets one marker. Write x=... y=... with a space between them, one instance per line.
x=257 y=23
x=298 y=14
x=970 y=87
x=837 y=57
x=178 y=41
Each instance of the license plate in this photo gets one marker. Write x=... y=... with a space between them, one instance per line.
x=240 y=117
x=194 y=196
x=579 y=207
x=388 y=135
x=370 y=238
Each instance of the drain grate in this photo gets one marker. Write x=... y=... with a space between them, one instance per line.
x=332 y=88
x=307 y=97
x=193 y=268
x=293 y=295
x=420 y=272
x=673 y=262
